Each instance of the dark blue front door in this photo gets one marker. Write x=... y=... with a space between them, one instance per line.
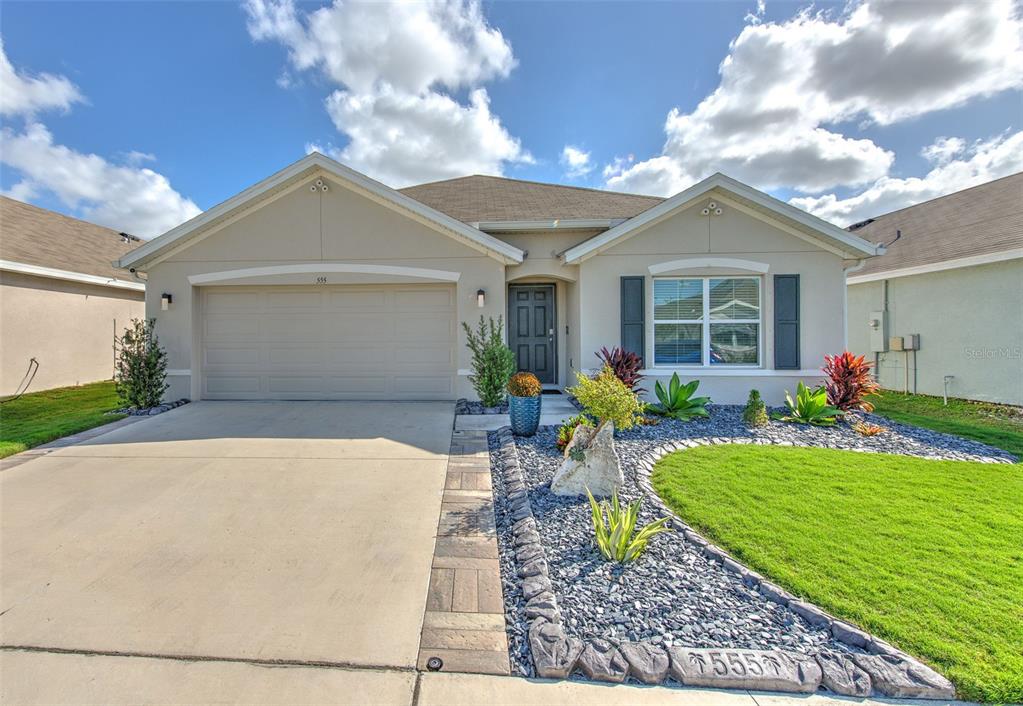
x=531 y=329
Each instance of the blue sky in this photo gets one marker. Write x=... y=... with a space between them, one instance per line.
x=137 y=115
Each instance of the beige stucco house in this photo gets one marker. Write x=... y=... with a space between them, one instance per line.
x=320 y=283
x=954 y=279
x=61 y=298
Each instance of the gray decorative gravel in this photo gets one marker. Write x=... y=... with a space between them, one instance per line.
x=676 y=595
x=464 y=406
x=150 y=411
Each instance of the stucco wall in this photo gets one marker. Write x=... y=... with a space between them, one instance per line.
x=736 y=235
x=68 y=327
x=970 y=322
x=339 y=226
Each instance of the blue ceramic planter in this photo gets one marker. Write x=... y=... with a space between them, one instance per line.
x=525 y=414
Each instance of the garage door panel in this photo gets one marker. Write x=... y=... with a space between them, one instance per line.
x=424 y=299
x=359 y=300
x=340 y=342
x=293 y=300
x=232 y=384
x=411 y=385
x=232 y=356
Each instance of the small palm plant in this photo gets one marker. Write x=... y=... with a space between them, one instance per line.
x=616 y=536
x=677 y=400
x=810 y=407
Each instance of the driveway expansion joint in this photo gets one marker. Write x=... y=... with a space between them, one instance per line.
x=255 y=661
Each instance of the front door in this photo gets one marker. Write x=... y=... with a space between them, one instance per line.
x=531 y=329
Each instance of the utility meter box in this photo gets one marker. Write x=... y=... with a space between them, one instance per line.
x=911 y=342
x=877 y=324
x=895 y=343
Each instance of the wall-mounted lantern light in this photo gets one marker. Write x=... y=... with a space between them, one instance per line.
x=481 y=298
x=165 y=301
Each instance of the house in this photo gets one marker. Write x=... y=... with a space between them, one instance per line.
x=62 y=299
x=320 y=283
x=942 y=311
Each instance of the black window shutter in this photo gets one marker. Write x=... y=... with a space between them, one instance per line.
x=786 y=322
x=633 y=338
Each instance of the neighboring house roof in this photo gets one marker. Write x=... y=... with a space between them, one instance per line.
x=973 y=226
x=737 y=194
x=44 y=243
x=481 y=199
x=349 y=178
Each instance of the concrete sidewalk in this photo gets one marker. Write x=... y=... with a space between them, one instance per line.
x=29 y=678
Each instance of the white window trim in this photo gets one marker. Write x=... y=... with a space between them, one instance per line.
x=705 y=324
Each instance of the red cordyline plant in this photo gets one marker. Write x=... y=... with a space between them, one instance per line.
x=624 y=364
x=849 y=382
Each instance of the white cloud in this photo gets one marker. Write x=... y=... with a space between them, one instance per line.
x=125 y=198
x=784 y=86
x=21 y=94
x=410 y=46
x=982 y=162
x=943 y=149
x=396 y=64
x=576 y=162
x=404 y=139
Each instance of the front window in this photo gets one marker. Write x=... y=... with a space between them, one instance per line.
x=706 y=321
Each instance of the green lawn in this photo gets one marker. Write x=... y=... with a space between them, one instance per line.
x=998 y=425
x=925 y=554
x=40 y=417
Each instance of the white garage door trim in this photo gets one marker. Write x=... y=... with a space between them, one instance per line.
x=346 y=342
x=323 y=268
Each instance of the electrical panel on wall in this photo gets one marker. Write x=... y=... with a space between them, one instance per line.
x=878 y=325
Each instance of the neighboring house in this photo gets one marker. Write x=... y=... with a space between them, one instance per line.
x=954 y=278
x=62 y=299
x=320 y=283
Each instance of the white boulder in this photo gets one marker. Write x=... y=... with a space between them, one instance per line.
x=590 y=462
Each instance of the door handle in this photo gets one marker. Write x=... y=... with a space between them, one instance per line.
x=550 y=334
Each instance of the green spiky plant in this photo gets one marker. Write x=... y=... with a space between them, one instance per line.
x=677 y=400
x=810 y=406
x=755 y=412
x=614 y=529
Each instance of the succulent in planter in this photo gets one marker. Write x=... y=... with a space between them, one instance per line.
x=524 y=403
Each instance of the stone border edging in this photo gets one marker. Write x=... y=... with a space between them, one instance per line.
x=557 y=654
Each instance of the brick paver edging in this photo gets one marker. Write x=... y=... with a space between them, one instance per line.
x=556 y=654
x=464 y=626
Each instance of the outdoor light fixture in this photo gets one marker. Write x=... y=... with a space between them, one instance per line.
x=481 y=298
x=165 y=301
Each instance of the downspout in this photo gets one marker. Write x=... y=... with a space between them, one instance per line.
x=846 y=271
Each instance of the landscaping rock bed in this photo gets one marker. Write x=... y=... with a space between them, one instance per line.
x=464 y=406
x=685 y=604
x=151 y=411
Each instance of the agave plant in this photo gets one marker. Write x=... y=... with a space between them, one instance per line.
x=810 y=407
x=616 y=536
x=677 y=400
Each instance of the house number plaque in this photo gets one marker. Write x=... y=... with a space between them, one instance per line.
x=745 y=669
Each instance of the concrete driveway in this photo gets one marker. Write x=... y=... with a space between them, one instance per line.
x=296 y=532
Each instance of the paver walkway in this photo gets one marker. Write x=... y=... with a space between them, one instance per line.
x=464 y=621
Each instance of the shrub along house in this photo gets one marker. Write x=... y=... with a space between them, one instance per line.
x=320 y=283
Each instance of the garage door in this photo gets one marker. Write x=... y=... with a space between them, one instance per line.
x=329 y=342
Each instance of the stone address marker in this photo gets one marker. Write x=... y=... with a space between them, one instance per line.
x=745 y=669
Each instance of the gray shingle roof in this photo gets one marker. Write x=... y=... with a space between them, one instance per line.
x=477 y=198
x=981 y=220
x=35 y=236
